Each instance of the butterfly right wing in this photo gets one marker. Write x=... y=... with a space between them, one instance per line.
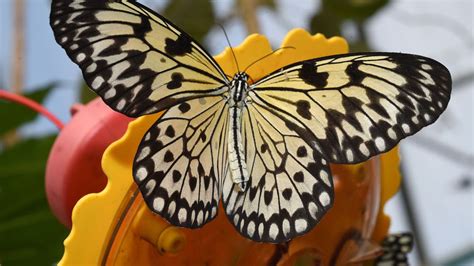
x=181 y=160
x=354 y=106
x=135 y=59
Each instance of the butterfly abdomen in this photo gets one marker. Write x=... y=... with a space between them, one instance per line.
x=237 y=164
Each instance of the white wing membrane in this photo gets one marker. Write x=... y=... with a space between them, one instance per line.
x=290 y=187
x=181 y=161
x=136 y=60
x=358 y=105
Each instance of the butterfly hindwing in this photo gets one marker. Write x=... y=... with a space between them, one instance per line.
x=290 y=187
x=354 y=106
x=181 y=159
x=136 y=60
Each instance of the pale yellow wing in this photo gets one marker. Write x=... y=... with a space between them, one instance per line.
x=135 y=59
x=290 y=187
x=181 y=160
x=353 y=106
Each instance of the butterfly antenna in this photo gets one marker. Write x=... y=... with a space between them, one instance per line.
x=267 y=55
x=230 y=46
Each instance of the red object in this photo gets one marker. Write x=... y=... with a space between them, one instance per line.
x=74 y=164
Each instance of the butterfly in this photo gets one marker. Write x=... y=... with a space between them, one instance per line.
x=395 y=249
x=264 y=147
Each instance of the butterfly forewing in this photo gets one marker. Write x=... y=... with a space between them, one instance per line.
x=290 y=187
x=355 y=106
x=136 y=60
x=181 y=161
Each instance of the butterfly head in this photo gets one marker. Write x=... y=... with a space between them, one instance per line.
x=241 y=76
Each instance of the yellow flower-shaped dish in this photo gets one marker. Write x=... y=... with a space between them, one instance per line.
x=114 y=227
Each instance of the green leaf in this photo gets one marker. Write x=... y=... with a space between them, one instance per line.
x=360 y=46
x=30 y=234
x=354 y=9
x=85 y=93
x=268 y=3
x=13 y=115
x=196 y=17
x=326 y=22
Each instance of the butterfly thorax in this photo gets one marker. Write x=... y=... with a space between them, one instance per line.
x=236 y=102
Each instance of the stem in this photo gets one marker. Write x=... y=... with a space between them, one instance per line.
x=18 y=46
x=32 y=105
x=248 y=12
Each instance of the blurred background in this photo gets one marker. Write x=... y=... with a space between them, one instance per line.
x=437 y=197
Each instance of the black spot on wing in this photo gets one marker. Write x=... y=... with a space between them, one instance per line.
x=142 y=28
x=302 y=108
x=302 y=152
x=169 y=157
x=290 y=125
x=354 y=73
x=201 y=170
x=178 y=47
x=176 y=176
x=252 y=192
x=170 y=131
x=207 y=181
x=192 y=183
x=299 y=177
x=308 y=73
x=287 y=193
x=176 y=81
x=352 y=105
x=267 y=197
x=184 y=107
x=203 y=136
x=158 y=145
x=378 y=108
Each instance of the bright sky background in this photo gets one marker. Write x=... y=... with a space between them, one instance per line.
x=441 y=29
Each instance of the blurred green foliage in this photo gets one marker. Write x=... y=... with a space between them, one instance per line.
x=196 y=17
x=21 y=114
x=332 y=15
x=358 y=10
x=326 y=22
x=29 y=233
x=268 y=3
x=85 y=93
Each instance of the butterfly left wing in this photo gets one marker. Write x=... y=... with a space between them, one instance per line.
x=181 y=160
x=350 y=107
x=290 y=186
x=135 y=59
